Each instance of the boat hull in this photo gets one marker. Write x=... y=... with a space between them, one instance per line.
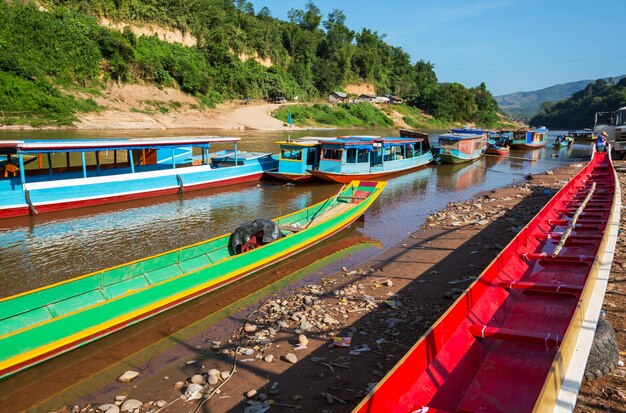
x=291 y=177
x=537 y=145
x=498 y=150
x=347 y=178
x=454 y=159
x=50 y=196
x=517 y=340
x=124 y=295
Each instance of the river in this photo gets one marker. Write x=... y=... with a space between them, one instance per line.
x=40 y=250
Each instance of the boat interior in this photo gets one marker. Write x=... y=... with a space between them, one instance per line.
x=493 y=350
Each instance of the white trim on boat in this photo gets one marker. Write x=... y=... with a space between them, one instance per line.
x=567 y=396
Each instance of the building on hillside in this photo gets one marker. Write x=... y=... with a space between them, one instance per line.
x=394 y=99
x=337 y=97
x=367 y=97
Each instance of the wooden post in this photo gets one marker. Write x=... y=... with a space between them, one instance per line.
x=114 y=158
x=173 y=160
x=130 y=161
x=98 y=162
x=67 y=160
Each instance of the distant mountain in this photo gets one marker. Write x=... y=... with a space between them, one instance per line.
x=525 y=105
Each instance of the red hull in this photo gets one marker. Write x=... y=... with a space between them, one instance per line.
x=529 y=146
x=21 y=211
x=509 y=342
x=498 y=150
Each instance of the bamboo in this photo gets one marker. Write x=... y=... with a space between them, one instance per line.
x=572 y=223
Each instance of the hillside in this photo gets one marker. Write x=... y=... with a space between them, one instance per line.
x=578 y=111
x=525 y=105
x=60 y=58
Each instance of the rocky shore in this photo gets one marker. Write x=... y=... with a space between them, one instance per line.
x=322 y=347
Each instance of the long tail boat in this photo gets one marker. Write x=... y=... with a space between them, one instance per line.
x=53 y=175
x=530 y=139
x=43 y=323
x=367 y=157
x=518 y=339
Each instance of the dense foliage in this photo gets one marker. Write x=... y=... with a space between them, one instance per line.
x=311 y=55
x=525 y=105
x=578 y=111
x=360 y=115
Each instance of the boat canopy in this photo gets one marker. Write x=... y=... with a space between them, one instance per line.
x=458 y=136
x=298 y=143
x=370 y=143
x=87 y=145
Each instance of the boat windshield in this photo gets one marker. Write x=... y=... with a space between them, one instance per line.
x=291 y=154
x=605 y=118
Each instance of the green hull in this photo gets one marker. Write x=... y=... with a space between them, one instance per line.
x=40 y=324
x=447 y=158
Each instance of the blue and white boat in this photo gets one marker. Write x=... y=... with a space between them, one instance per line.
x=363 y=158
x=295 y=158
x=52 y=175
x=461 y=147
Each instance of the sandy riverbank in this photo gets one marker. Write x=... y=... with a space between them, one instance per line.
x=385 y=305
x=142 y=107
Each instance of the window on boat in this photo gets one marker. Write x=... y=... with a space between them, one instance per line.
x=357 y=155
x=332 y=154
x=447 y=143
x=410 y=151
x=291 y=154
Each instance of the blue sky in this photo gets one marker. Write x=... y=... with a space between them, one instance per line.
x=511 y=45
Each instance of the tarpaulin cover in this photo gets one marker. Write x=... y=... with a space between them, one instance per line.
x=266 y=230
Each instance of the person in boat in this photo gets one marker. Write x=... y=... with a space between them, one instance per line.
x=601 y=143
x=559 y=138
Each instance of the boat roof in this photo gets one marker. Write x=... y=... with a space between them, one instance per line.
x=83 y=145
x=459 y=136
x=298 y=143
x=473 y=131
x=581 y=131
x=370 y=141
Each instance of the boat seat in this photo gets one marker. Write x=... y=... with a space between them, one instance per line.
x=543 y=287
x=530 y=337
x=164 y=273
x=19 y=321
x=356 y=197
x=290 y=228
x=76 y=303
x=122 y=287
x=194 y=263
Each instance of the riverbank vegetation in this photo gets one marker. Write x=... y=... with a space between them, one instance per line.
x=578 y=111
x=52 y=48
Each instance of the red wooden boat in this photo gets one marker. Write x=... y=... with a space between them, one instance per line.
x=498 y=150
x=519 y=338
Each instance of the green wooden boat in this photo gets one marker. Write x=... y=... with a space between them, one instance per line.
x=43 y=323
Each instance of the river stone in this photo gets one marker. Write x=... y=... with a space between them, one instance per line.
x=160 y=404
x=303 y=340
x=128 y=376
x=109 y=408
x=121 y=397
x=249 y=328
x=291 y=358
x=193 y=392
x=131 y=405
x=179 y=385
x=197 y=379
x=213 y=379
x=251 y=393
x=269 y=358
x=214 y=372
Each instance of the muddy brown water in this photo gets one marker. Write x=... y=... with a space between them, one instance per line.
x=40 y=250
